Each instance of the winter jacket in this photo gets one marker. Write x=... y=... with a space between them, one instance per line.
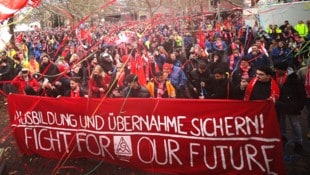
x=292 y=95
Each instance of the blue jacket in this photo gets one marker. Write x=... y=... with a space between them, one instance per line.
x=277 y=56
x=258 y=60
x=177 y=77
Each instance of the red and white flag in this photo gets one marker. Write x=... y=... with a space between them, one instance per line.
x=9 y=7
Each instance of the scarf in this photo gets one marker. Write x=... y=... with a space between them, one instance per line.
x=160 y=90
x=307 y=82
x=75 y=92
x=231 y=61
x=237 y=46
x=275 y=91
x=245 y=71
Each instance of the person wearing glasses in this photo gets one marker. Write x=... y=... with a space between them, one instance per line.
x=262 y=86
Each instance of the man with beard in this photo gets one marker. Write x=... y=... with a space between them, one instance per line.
x=76 y=89
x=221 y=86
x=48 y=69
x=260 y=44
x=263 y=86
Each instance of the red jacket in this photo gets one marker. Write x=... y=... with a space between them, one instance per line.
x=21 y=84
x=94 y=88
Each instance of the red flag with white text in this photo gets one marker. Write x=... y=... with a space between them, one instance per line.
x=175 y=136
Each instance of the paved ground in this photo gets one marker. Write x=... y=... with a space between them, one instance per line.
x=298 y=164
x=34 y=165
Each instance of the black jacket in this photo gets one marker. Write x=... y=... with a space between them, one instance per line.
x=292 y=96
x=141 y=92
x=195 y=79
x=221 y=89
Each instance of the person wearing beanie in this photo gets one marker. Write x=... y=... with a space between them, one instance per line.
x=290 y=103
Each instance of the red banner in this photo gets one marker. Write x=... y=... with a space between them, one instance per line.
x=158 y=135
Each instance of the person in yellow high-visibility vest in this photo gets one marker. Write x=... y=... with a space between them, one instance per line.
x=11 y=51
x=277 y=29
x=301 y=28
x=269 y=29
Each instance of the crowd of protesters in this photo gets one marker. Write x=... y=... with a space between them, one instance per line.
x=201 y=60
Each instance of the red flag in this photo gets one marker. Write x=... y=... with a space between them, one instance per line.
x=201 y=38
x=19 y=38
x=9 y=7
x=34 y=3
x=85 y=34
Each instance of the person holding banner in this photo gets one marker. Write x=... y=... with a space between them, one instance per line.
x=47 y=68
x=98 y=82
x=200 y=81
x=118 y=77
x=177 y=78
x=76 y=89
x=263 y=86
x=160 y=87
x=221 y=87
x=134 y=89
x=25 y=83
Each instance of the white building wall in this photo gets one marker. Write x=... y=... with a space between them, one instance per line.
x=278 y=13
